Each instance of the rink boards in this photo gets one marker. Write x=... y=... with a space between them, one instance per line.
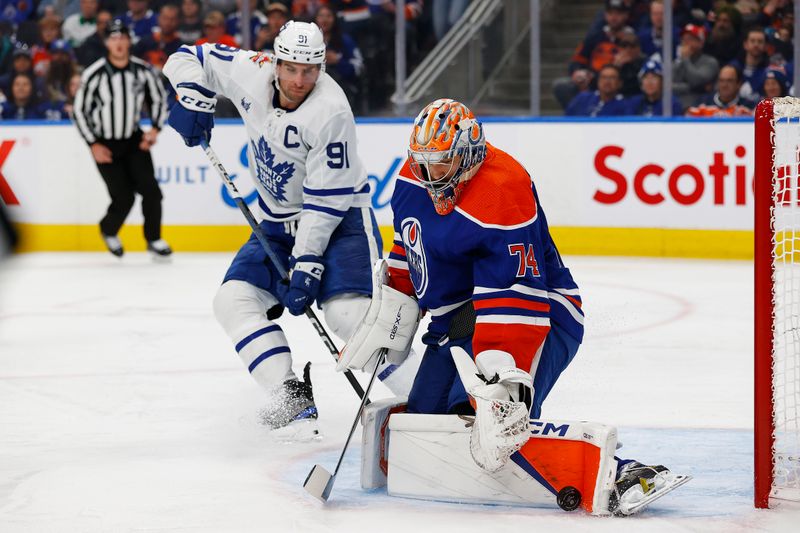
x=658 y=188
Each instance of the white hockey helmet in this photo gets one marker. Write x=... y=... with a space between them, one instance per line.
x=300 y=42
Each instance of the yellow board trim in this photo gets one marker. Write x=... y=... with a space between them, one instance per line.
x=650 y=242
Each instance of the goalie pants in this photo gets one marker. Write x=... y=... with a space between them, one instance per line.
x=437 y=388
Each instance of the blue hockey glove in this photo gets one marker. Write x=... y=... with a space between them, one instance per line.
x=193 y=117
x=303 y=284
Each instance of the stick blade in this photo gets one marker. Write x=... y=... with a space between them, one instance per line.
x=319 y=483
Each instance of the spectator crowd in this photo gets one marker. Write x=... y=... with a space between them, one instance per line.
x=727 y=55
x=46 y=44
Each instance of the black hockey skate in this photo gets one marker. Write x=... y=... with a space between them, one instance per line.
x=113 y=244
x=638 y=485
x=291 y=412
x=160 y=250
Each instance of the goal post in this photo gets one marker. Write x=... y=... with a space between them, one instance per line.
x=777 y=302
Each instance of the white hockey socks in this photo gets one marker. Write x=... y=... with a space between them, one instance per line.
x=261 y=344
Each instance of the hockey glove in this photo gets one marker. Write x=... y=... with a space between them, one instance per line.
x=306 y=273
x=193 y=118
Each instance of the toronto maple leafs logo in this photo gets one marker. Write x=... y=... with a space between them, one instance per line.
x=272 y=176
x=245 y=104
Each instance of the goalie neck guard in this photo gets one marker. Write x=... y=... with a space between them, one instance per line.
x=447 y=147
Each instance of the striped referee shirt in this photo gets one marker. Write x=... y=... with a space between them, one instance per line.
x=108 y=104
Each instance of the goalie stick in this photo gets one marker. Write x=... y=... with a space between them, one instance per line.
x=319 y=481
x=237 y=197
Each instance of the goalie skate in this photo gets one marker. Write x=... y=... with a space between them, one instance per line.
x=291 y=413
x=640 y=485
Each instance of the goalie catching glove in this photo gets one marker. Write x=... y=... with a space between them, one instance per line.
x=502 y=394
x=391 y=322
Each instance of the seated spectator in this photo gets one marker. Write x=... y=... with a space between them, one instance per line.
x=94 y=47
x=21 y=101
x=59 y=72
x=80 y=26
x=724 y=42
x=15 y=11
x=606 y=101
x=233 y=24
x=726 y=102
x=695 y=71
x=650 y=103
x=21 y=63
x=69 y=105
x=776 y=83
x=139 y=19
x=597 y=49
x=49 y=32
x=277 y=16
x=156 y=47
x=191 y=26
x=629 y=59
x=752 y=62
x=651 y=36
x=214 y=31
x=343 y=59
x=637 y=15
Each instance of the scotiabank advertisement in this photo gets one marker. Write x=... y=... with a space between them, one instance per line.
x=672 y=175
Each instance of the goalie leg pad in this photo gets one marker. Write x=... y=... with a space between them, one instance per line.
x=563 y=463
x=241 y=309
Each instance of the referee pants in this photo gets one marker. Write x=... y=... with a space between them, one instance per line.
x=130 y=171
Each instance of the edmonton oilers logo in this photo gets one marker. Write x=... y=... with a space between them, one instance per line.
x=411 y=232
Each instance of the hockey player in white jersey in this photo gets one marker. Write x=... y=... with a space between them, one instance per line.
x=315 y=198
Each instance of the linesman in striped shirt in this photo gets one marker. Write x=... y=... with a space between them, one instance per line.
x=108 y=107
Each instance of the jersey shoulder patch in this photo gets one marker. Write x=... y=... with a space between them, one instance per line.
x=500 y=194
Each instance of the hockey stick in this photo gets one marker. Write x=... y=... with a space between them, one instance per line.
x=237 y=197
x=319 y=481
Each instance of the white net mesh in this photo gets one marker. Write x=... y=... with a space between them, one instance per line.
x=786 y=299
x=501 y=428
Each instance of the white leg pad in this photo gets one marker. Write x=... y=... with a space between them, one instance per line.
x=241 y=309
x=374 y=451
x=429 y=458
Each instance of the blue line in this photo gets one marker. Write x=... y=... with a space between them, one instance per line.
x=267 y=210
x=386 y=372
x=199 y=49
x=263 y=331
x=327 y=210
x=266 y=355
x=526 y=466
x=329 y=192
x=220 y=56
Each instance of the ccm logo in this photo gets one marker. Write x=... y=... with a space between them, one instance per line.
x=200 y=104
x=685 y=184
x=548 y=428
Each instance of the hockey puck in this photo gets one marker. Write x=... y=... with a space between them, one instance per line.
x=569 y=498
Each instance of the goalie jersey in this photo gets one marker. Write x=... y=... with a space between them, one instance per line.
x=304 y=162
x=494 y=250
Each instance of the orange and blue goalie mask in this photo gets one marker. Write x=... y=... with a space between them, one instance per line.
x=446 y=148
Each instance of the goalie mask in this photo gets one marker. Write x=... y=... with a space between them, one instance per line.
x=446 y=149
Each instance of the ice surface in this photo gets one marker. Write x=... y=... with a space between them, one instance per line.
x=123 y=406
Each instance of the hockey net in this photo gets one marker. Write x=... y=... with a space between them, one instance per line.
x=777 y=302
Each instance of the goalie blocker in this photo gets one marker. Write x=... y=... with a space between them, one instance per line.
x=568 y=464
